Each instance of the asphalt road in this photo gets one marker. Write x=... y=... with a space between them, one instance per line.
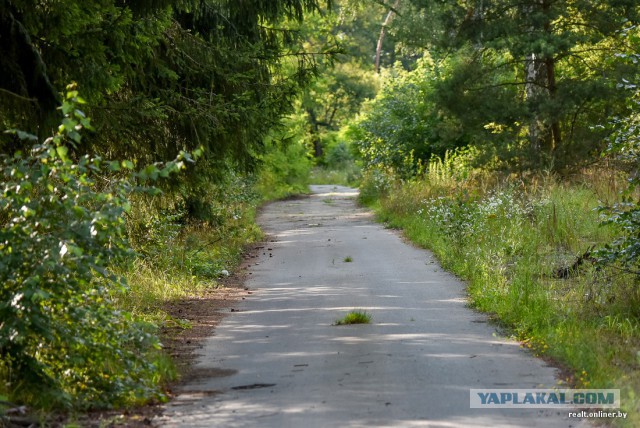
x=279 y=361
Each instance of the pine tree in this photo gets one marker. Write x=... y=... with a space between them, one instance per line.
x=537 y=73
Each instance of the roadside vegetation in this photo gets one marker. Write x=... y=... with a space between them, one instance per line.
x=140 y=138
x=491 y=151
x=529 y=254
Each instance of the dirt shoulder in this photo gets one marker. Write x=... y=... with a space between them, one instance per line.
x=203 y=313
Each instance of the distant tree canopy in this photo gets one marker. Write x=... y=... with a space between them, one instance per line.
x=527 y=82
x=345 y=79
x=159 y=76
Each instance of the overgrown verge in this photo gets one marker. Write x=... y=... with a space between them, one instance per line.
x=64 y=341
x=179 y=256
x=95 y=264
x=526 y=248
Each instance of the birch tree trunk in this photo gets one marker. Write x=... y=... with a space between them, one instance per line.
x=387 y=21
x=535 y=92
x=540 y=86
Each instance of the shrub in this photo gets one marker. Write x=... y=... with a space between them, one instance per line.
x=625 y=214
x=285 y=171
x=354 y=317
x=63 y=342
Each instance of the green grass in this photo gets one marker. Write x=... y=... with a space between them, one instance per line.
x=507 y=242
x=349 y=175
x=181 y=247
x=348 y=259
x=179 y=258
x=354 y=317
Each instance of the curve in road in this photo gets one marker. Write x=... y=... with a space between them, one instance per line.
x=279 y=361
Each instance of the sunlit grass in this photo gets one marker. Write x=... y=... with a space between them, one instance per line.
x=347 y=176
x=150 y=287
x=186 y=264
x=508 y=242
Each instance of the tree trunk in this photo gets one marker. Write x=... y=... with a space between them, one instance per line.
x=314 y=132
x=550 y=65
x=478 y=16
x=540 y=86
x=536 y=91
x=387 y=21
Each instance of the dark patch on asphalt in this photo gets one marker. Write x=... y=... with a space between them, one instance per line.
x=253 y=386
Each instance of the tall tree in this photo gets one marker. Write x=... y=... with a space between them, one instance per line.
x=159 y=76
x=554 y=53
x=383 y=32
x=345 y=79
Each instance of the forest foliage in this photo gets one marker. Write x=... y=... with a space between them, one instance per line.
x=63 y=341
x=260 y=92
x=506 y=141
x=533 y=85
x=522 y=88
x=85 y=242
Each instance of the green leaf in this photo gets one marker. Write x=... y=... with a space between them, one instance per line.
x=24 y=136
x=27 y=212
x=66 y=107
x=40 y=295
x=75 y=136
x=62 y=152
x=114 y=166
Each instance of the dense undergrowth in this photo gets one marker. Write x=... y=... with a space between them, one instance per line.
x=178 y=257
x=340 y=165
x=92 y=255
x=528 y=249
x=64 y=341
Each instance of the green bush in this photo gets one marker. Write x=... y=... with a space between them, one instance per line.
x=339 y=156
x=625 y=214
x=403 y=126
x=63 y=342
x=284 y=171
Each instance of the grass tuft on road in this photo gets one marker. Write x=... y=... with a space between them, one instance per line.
x=354 y=317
